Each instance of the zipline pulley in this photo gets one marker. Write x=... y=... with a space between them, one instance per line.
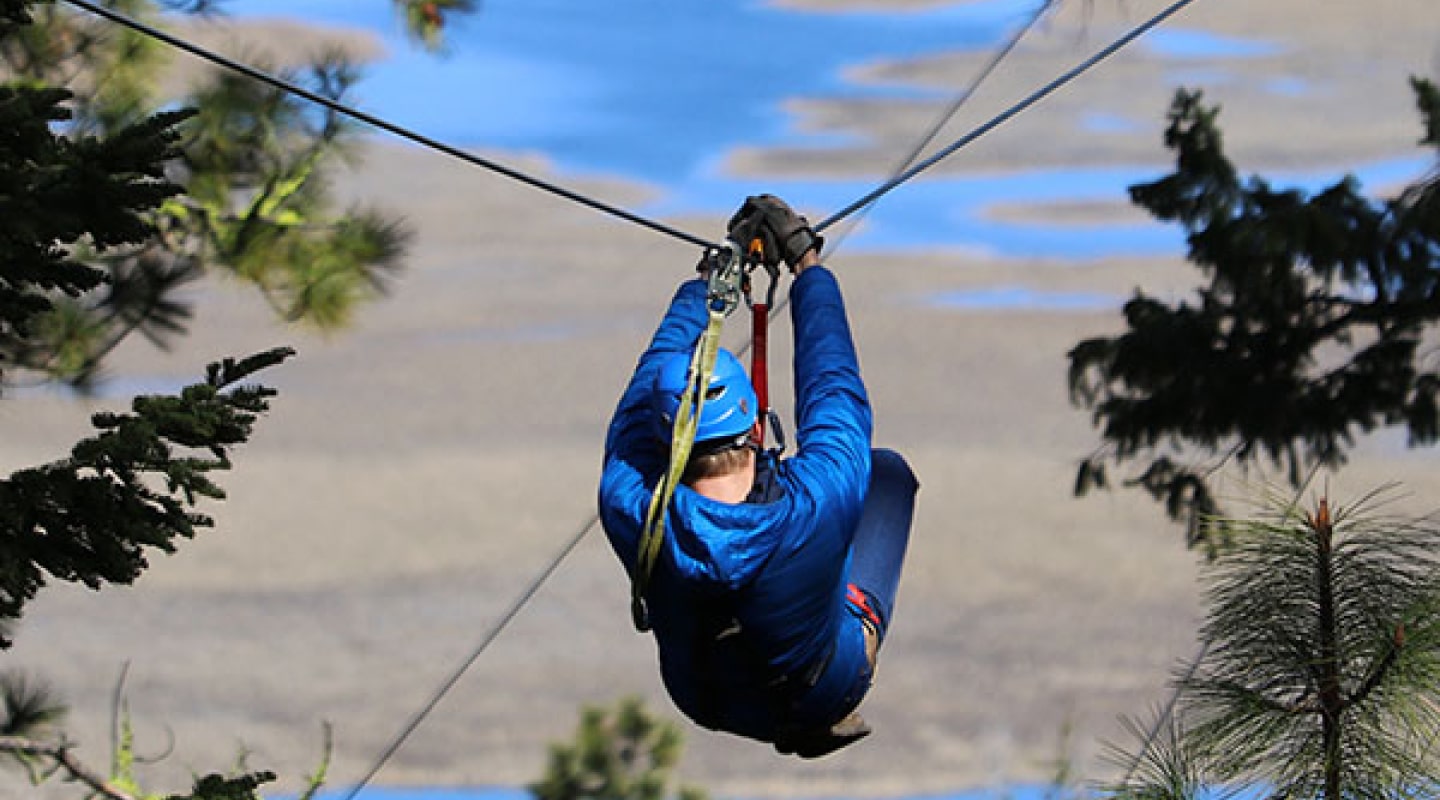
x=727 y=282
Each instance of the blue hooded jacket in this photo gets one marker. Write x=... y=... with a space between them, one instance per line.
x=748 y=601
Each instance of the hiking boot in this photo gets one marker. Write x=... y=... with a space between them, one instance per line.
x=815 y=743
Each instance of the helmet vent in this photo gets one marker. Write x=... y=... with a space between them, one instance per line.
x=728 y=400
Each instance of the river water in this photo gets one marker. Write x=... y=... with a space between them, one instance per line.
x=659 y=90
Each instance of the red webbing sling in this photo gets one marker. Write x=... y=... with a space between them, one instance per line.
x=760 y=346
x=759 y=373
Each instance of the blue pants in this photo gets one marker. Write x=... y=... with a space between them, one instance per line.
x=877 y=554
x=878 y=550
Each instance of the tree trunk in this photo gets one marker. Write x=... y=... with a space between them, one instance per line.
x=1332 y=699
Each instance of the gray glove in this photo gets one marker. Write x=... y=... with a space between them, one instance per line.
x=783 y=234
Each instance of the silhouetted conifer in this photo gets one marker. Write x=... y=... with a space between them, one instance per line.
x=1307 y=332
x=91 y=518
x=94 y=238
x=256 y=161
x=61 y=195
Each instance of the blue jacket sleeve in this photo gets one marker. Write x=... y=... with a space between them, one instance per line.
x=832 y=409
x=632 y=458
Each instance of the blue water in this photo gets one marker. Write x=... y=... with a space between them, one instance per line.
x=1012 y=792
x=649 y=89
x=660 y=90
x=1181 y=43
x=1008 y=792
x=949 y=212
x=1020 y=297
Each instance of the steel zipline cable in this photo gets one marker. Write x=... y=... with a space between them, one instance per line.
x=1005 y=116
x=902 y=176
x=1003 y=52
x=606 y=208
x=490 y=636
x=601 y=206
x=389 y=127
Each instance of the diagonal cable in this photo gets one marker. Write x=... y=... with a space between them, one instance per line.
x=958 y=103
x=940 y=122
x=1005 y=116
x=490 y=636
x=389 y=127
x=535 y=585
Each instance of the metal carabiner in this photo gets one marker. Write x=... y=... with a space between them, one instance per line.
x=725 y=286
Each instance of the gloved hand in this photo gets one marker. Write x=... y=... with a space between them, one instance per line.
x=783 y=234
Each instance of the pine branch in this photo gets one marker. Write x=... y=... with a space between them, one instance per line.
x=13 y=13
x=1292 y=276
x=1377 y=674
x=59 y=753
x=92 y=518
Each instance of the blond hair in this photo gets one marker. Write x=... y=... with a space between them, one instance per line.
x=713 y=465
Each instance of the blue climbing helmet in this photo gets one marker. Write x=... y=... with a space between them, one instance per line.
x=730 y=408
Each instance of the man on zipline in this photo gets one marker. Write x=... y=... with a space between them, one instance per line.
x=776 y=578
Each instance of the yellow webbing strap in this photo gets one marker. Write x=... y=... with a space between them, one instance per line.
x=682 y=439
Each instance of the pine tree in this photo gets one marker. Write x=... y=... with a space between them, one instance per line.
x=61 y=197
x=1321 y=678
x=256 y=162
x=1307 y=333
x=91 y=517
x=95 y=234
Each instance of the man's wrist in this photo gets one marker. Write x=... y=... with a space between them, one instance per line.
x=806 y=261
